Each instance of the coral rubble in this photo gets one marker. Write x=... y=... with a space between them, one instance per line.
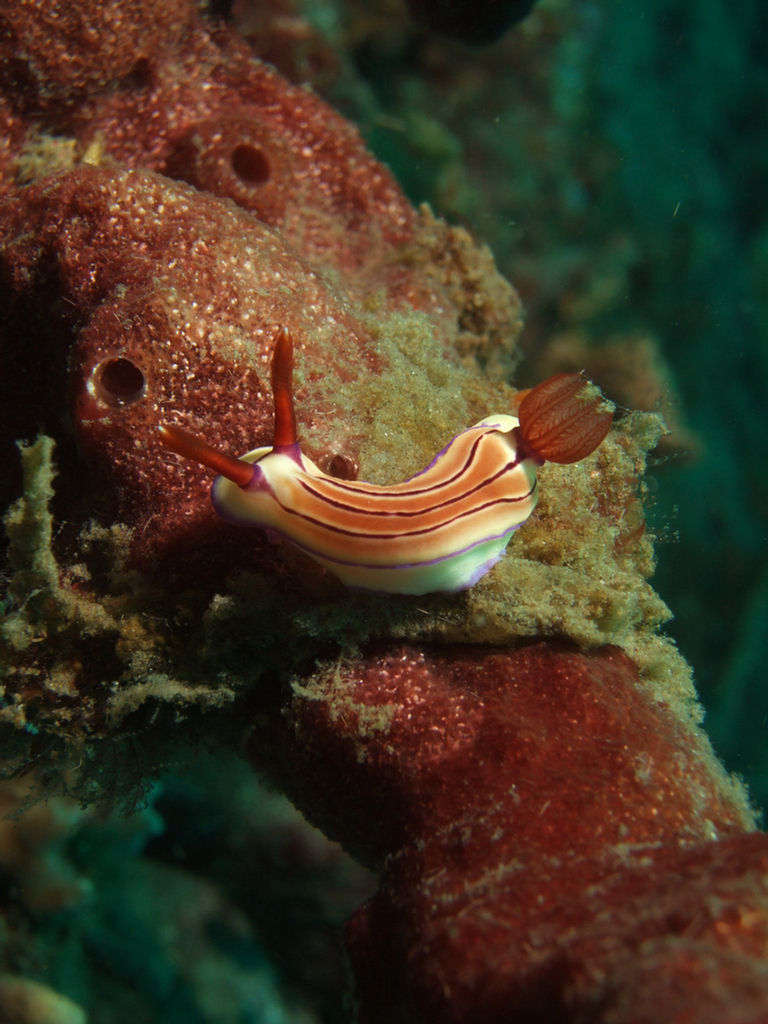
x=523 y=764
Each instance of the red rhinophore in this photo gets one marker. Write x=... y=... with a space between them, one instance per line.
x=562 y=419
x=282 y=391
x=197 y=450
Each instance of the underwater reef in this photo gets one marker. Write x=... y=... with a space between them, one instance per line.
x=536 y=823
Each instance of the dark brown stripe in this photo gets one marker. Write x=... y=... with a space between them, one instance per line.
x=399 y=534
x=382 y=491
x=355 y=488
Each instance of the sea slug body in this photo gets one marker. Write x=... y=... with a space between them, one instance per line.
x=439 y=531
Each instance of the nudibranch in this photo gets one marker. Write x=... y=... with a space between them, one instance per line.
x=442 y=529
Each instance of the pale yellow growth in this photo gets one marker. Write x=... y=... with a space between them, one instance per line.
x=354 y=718
x=51 y=616
x=42 y=605
x=42 y=154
